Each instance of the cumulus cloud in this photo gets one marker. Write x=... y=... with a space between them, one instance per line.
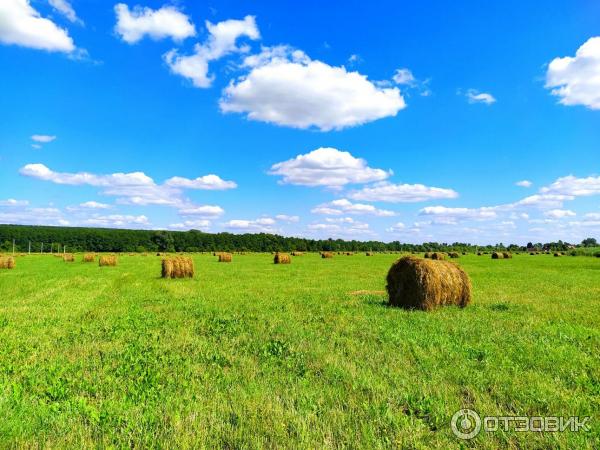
x=221 y=41
x=117 y=220
x=65 y=8
x=442 y=214
x=575 y=80
x=261 y=225
x=397 y=227
x=285 y=87
x=43 y=138
x=573 y=186
x=326 y=167
x=559 y=213
x=202 y=211
x=209 y=182
x=200 y=224
x=21 y=24
x=401 y=193
x=14 y=203
x=134 y=188
x=31 y=216
x=348 y=229
x=404 y=76
x=89 y=205
x=474 y=96
x=524 y=183
x=133 y=25
x=345 y=206
x=287 y=218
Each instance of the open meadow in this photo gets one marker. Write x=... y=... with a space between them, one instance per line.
x=250 y=354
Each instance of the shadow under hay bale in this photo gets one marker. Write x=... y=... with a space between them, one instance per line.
x=177 y=267
x=282 y=258
x=438 y=256
x=68 y=257
x=107 y=260
x=7 y=262
x=497 y=255
x=225 y=257
x=415 y=283
x=89 y=257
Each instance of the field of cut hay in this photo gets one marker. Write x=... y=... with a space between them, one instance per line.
x=252 y=354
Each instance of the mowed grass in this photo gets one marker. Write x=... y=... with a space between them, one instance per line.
x=255 y=355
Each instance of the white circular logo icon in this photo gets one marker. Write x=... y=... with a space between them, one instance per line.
x=466 y=424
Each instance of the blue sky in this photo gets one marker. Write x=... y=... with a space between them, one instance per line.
x=411 y=121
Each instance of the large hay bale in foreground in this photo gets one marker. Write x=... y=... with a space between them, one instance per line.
x=507 y=255
x=326 y=255
x=7 y=262
x=282 y=258
x=178 y=267
x=415 y=283
x=89 y=257
x=68 y=257
x=107 y=260
x=438 y=256
x=225 y=257
x=497 y=255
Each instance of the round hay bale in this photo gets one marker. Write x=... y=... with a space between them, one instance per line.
x=7 y=262
x=557 y=254
x=68 y=257
x=297 y=253
x=107 y=260
x=326 y=255
x=89 y=257
x=479 y=253
x=177 y=267
x=438 y=256
x=507 y=255
x=369 y=254
x=415 y=283
x=497 y=255
x=454 y=255
x=427 y=255
x=225 y=257
x=282 y=258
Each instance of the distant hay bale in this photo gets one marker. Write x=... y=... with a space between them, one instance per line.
x=89 y=257
x=225 y=257
x=438 y=256
x=464 y=253
x=282 y=258
x=454 y=255
x=297 y=253
x=369 y=254
x=177 y=267
x=507 y=255
x=68 y=257
x=107 y=260
x=557 y=254
x=427 y=255
x=497 y=255
x=415 y=283
x=326 y=255
x=349 y=253
x=7 y=262
x=479 y=253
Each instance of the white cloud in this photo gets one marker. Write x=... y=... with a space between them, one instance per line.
x=221 y=41
x=65 y=8
x=31 y=216
x=285 y=87
x=36 y=146
x=43 y=138
x=117 y=220
x=576 y=80
x=559 y=213
x=339 y=220
x=94 y=205
x=22 y=25
x=201 y=224
x=345 y=206
x=474 y=96
x=592 y=216
x=442 y=214
x=202 y=211
x=162 y=23
x=401 y=193
x=207 y=182
x=13 y=202
x=326 y=167
x=287 y=218
x=335 y=230
x=404 y=76
x=398 y=227
x=573 y=186
x=524 y=183
x=261 y=225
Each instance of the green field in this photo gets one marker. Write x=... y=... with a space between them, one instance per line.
x=256 y=355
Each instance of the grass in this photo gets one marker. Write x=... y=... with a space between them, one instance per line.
x=257 y=355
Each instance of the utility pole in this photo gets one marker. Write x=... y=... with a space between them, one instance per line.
x=29 y=250
x=13 y=247
x=42 y=249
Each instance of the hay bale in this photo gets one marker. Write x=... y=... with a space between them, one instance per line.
x=225 y=257
x=369 y=254
x=7 y=262
x=297 y=253
x=438 y=256
x=479 y=253
x=68 y=257
x=177 y=267
x=454 y=255
x=282 y=258
x=107 y=260
x=497 y=255
x=89 y=257
x=415 y=283
x=326 y=255
x=557 y=254
x=507 y=255
x=427 y=255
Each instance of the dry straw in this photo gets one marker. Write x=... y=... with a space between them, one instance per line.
x=507 y=255
x=326 y=255
x=107 y=260
x=282 y=258
x=7 y=262
x=438 y=256
x=497 y=255
x=178 y=267
x=224 y=257
x=68 y=257
x=89 y=257
x=415 y=283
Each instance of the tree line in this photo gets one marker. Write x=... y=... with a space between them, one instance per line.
x=75 y=239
